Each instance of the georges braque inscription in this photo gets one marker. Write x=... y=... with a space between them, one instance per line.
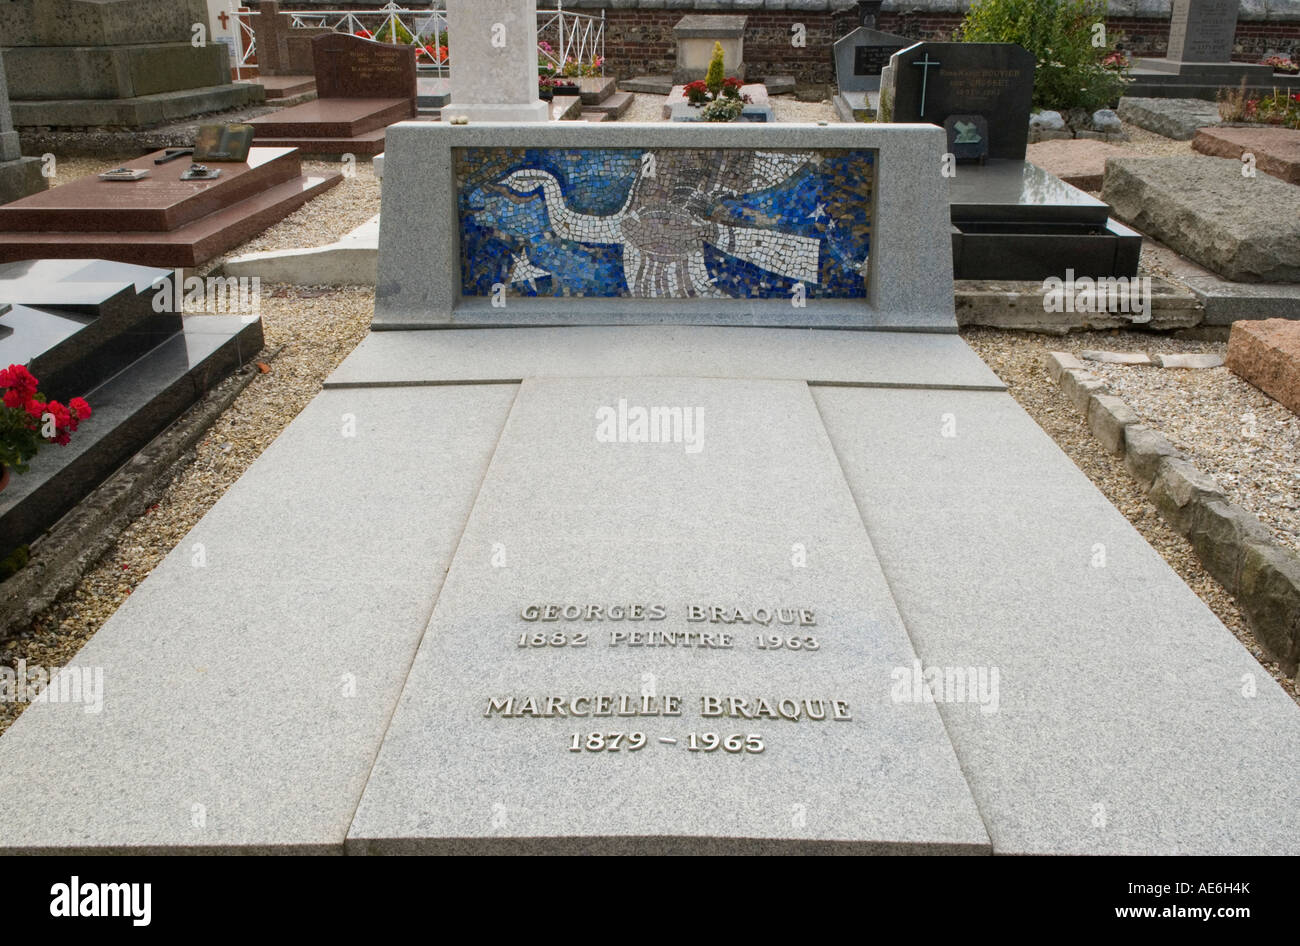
x=569 y=628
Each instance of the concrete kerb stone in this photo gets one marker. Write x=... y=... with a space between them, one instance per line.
x=1230 y=542
x=1080 y=385
x=1144 y=448
x=1269 y=595
x=1178 y=487
x=1059 y=362
x=1109 y=416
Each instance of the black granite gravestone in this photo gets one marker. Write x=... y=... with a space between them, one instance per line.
x=931 y=81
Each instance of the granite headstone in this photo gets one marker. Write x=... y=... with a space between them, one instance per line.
x=861 y=55
x=1202 y=30
x=349 y=67
x=930 y=81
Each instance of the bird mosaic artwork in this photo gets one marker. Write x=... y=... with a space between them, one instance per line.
x=668 y=223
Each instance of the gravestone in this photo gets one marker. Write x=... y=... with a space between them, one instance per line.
x=930 y=81
x=350 y=67
x=362 y=86
x=1199 y=58
x=114 y=62
x=695 y=36
x=493 y=64
x=19 y=176
x=863 y=53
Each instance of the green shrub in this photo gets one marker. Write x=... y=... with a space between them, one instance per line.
x=1070 y=71
x=717 y=71
x=395 y=32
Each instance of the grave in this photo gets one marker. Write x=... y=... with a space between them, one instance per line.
x=1172 y=117
x=859 y=58
x=362 y=87
x=757 y=109
x=695 y=36
x=488 y=82
x=540 y=650
x=76 y=63
x=1199 y=63
x=1011 y=219
x=160 y=220
x=1245 y=229
x=89 y=328
x=1276 y=151
x=19 y=176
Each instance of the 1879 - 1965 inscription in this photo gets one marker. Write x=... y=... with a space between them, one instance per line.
x=571 y=624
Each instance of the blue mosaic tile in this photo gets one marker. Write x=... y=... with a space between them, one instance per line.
x=664 y=223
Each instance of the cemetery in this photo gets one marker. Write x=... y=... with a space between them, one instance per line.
x=804 y=428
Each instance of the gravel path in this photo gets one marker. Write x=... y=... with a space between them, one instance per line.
x=1017 y=358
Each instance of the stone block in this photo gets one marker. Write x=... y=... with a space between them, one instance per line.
x=1108 y=416
x=1173 y=118
x=1219 y=532
x=1276 y=151
x=1144 y=449
x=1269 y=595
x=1178 y=490
x=1078 y=161
x=1079 y=386
x=1267 y=355
x=1058 y=362
x=1245 y=229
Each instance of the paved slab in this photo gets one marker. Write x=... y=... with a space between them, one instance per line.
x=1124 y=723
x=458 y=356
x=663 y=525
x=352 y=261
x=1173 y=118
x=248 y=681
x=1276 y=151
x=1078 y=161
x=1243 y=228
x=1267 y=354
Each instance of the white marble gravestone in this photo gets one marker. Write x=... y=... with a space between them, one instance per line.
x=494 y=62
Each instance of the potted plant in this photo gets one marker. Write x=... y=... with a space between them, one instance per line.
x=28 y=420
x=546 y=87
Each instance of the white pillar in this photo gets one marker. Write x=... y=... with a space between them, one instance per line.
x=492 y=45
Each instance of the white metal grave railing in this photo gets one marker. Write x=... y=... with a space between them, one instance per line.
x=562 y=36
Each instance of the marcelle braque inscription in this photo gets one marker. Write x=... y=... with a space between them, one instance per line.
x=572 y=621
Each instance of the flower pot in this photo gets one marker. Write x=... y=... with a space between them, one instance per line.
x=567 y=90
x=545 y=94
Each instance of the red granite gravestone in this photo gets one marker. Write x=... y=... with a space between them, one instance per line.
x=349 y=67
x=362 y=88
x=160 y=220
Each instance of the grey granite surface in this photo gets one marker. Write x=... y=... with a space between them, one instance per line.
x=458 y=356
x=247 y=682
x=566 y=518
x=1126 y=724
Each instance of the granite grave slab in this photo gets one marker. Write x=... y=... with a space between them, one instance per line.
x=470 y=765
x=160 y=220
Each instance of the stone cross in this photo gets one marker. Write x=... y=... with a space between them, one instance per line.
x=494 y=62
x=925 y=65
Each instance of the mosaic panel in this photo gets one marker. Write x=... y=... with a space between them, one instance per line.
x=668 y=223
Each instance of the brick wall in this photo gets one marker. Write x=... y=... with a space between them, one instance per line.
x=640 y=41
